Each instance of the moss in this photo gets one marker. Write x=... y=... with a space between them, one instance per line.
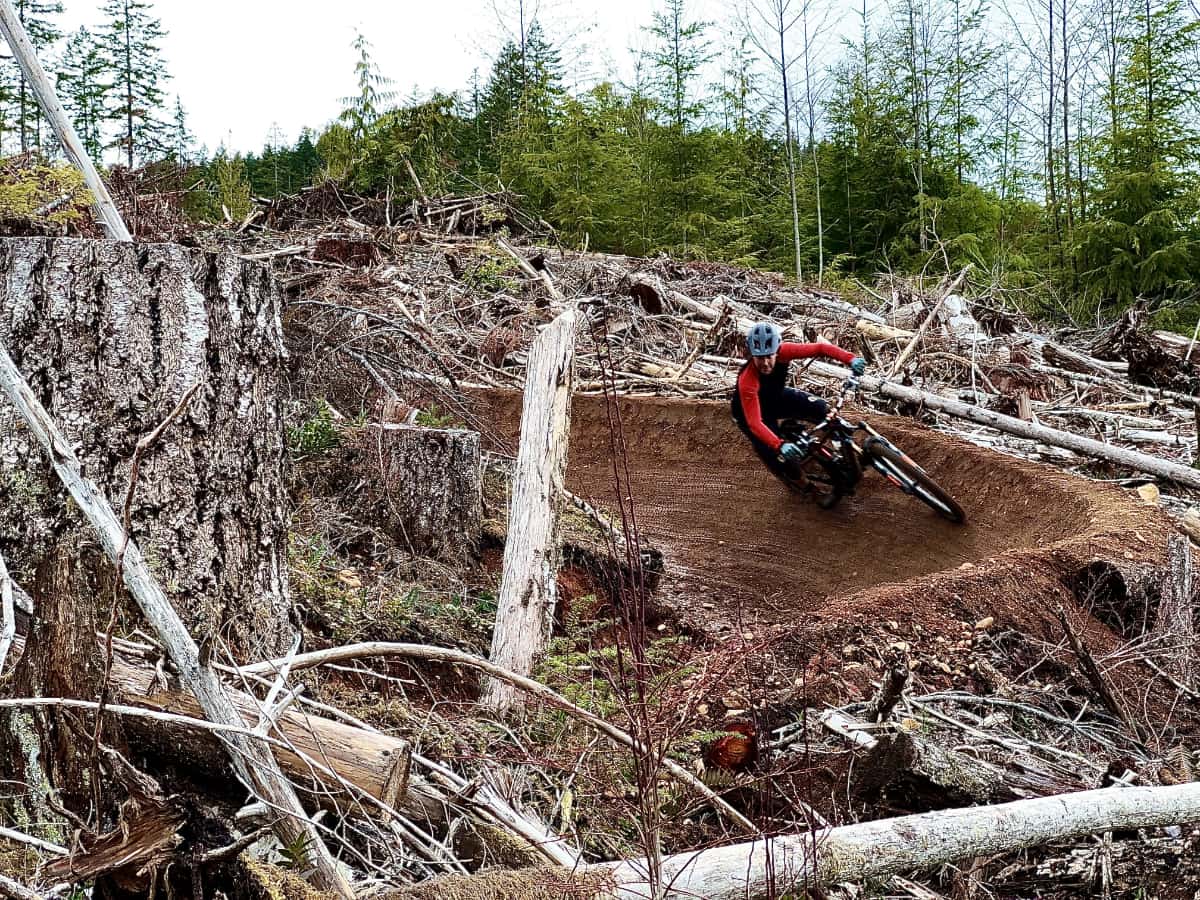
x=262 y=881
x=523 y=884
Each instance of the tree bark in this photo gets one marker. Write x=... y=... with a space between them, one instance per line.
x=256 y=768
x=431 y=486
x=110 y=337
x=528 y=583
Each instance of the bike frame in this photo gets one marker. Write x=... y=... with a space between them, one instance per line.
x=834 y=427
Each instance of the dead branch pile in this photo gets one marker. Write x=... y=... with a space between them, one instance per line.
x=433 y=217
x=421 y=312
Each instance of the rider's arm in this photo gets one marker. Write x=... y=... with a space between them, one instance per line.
x=747 y=385
x=789 y=351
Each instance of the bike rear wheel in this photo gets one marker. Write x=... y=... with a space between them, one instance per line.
x=824 y=475
x=912 y=479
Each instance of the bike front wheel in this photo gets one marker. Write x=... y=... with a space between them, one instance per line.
x=897 y=468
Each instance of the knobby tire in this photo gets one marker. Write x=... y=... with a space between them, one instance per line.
x=923 y=487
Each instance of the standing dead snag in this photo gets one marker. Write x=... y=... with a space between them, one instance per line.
x=110 y=336
x=528 y=583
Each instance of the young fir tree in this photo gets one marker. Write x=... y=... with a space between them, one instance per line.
x=367 y=102
x=518 y=112
x=182 y=139
x=82 y=84
x=1143 y=239
x=677 y=56
x=36 y=16
x=130 y=44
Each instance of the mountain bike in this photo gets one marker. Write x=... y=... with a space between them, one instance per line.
x=834 y=462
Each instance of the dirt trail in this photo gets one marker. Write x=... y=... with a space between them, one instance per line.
x=734 y=538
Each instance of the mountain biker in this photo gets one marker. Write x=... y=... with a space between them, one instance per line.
x=762 y=396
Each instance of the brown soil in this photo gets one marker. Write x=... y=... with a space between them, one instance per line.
x=742 y=551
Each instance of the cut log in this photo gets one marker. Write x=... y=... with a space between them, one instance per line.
x=110 y=337
x=431 y=488
x=528 y=583
x=376 y=764
x=1065 y=358
x=918 y=774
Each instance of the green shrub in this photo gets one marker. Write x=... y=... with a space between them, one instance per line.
x=318 y=433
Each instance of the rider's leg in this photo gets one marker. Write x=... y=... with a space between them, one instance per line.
x=794 y=404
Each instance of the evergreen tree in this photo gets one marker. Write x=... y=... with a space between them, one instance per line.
x=182 y=138
x=1143 y=240
x=679 y=53
x=367 y=102
x=82 y=84
x=130 y=43
x=35 y=15
x=517 y=112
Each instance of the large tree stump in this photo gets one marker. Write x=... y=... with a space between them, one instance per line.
x=110 y=337
x=432 y=488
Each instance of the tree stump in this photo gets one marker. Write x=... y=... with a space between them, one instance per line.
x=432 y=495
x=111 y=336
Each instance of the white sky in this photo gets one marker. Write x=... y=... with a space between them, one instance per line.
x=240 y=66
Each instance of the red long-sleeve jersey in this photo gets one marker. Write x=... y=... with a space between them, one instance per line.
x=749 y=383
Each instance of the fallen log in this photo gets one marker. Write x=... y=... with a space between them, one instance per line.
x=374 y=763
x=1065 y=358
x=517 y=682
x=525 y=607
x=920 y=774
x=855 y=853
x=17 y=891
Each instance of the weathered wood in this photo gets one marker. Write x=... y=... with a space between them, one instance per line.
x=921 y=774
x=43 y=89
x=924 y=326
x=1173 y=638
x=255 y=766
x=1064 y=357
x=376 y=764
x=771 y=867
x=8 y=627
x=431 y=486
x=891 y=689
x=528 y=582
x=17 y=891
x=518 y=682
x=110 y=337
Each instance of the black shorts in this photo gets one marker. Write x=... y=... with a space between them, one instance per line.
x=791 y=404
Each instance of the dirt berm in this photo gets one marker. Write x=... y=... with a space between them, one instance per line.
x=741 y=550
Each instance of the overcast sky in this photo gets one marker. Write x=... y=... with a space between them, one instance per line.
x=241 y=66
